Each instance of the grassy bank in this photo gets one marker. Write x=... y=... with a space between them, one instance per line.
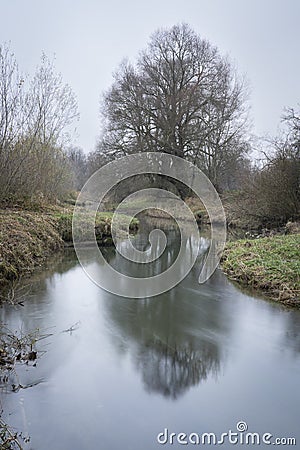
x=271 y=265
x=29 y=237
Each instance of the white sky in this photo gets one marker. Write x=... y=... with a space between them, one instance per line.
x=91 y=37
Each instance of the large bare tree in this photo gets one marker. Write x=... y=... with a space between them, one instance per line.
x=180 y=97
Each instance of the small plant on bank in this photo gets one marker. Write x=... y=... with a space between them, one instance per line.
x=11 y=439
x=15 y=349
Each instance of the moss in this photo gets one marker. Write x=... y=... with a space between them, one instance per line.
x=270 y=264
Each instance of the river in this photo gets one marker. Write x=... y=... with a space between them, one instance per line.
x=117 y=372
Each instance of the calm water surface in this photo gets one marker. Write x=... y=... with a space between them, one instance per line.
x=198 y=358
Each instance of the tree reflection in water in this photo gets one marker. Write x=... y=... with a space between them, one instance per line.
x=176 y=339
x=172 y=370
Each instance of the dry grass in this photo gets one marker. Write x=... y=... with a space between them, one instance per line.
x=26 y=240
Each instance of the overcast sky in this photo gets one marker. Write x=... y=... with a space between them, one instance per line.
x=91 y=37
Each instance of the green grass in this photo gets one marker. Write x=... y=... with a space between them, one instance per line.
x=270 y=264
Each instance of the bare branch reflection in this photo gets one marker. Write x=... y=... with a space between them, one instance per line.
x=175 y=340
x=172 y=370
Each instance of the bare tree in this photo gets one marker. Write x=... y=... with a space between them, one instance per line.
x=11 y=113
x=34 y=118
x=51 y=105
x=271 y=193
x=292 y=119
x=181 y=97
x=79 y=165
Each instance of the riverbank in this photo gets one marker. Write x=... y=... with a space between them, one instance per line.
x=271 y=265
x=28 y=237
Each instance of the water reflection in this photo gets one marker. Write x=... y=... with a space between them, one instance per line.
x=174 y=345
x=171 y=370
x=36 y=294
x=292 y=334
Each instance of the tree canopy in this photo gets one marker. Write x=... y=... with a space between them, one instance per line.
x=180 y=97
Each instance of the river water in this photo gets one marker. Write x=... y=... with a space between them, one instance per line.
x=196 y=359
